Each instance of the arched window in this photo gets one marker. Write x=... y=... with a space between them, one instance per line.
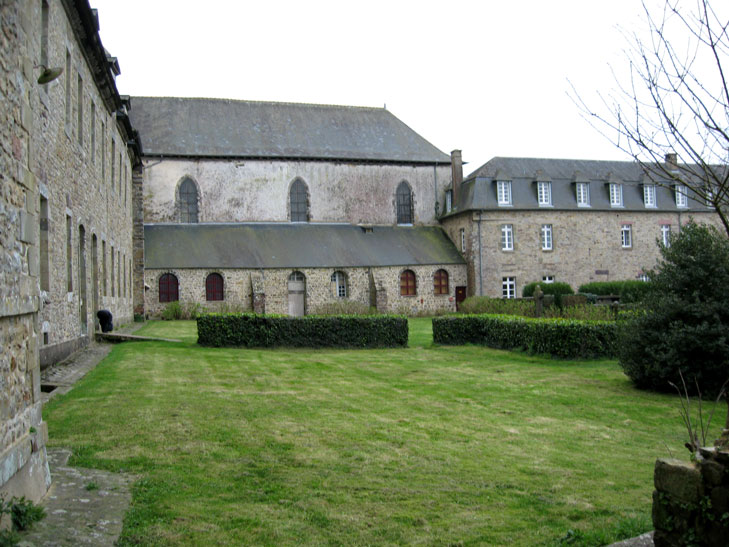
x=168 y=288
x=188 y=201
x=404 y=203
x=440 y=282
x=299 y=202
x=339 y=282
x=407 y=284
x=214 y=287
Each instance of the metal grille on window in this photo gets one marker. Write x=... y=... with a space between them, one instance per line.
x=188 y=201
x=214 y=287
x=404 y=204
x=407 y=283
x=299 y=202
x=440 y=282
x=168 y=288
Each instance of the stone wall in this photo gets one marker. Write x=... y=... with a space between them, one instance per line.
x=320 y=290
x=258 y=190
x=691 y=501
x=586 y=245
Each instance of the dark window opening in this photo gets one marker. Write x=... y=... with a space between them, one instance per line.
x=188 y=202
x=299 y=202
x=214 y=287
x=168 y=288
x=404 y=204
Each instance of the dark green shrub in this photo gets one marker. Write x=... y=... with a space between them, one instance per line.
x=629 y=291
x=685 y=325
x=24 y=513
x=555 y=289
x=345 y=307
x=505 y=306
x=173 y=310
x=565 y=338
x=336 y=331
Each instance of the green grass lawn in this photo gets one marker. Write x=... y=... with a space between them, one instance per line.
x=425 y=445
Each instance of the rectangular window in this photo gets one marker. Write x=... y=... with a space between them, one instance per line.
x=68 y=91
x=649 y=195
x=507 y=237
x=626 y=236
x=80 y=108
x=463 y=240
x=616 y=194
x=92 y=133
x=546 y=237
x=449 y=200
x=547 y=279
x=666 y=235
x=681 y=196
x=103 y=152
x=112 y=271
x=45 y=284
x=709 y=195
x=508 y=287
x=503 y=190
x=103 y=268
x=544 y=193
x=125 y=185
x=582 y=194
x=69 y=253
x=118 y=273
x=111 y=163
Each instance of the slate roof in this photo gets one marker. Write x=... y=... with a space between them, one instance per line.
x=284 y=245
x=478 y=191
x=173 y=126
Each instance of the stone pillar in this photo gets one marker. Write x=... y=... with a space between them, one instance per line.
x=538 y=301
x=138 y=239
x=381 y=299
x=258 y=294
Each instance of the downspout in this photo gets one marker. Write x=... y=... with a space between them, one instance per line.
x=480 y=264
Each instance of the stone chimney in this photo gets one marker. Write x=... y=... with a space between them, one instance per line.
x=456 y=173
x=672 y=161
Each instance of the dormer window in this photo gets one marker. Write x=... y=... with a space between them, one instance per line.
x=582 y=194
x=616 y=194
x=503 y=191
x=681 y=196
x=649 y=195
x=544 y=193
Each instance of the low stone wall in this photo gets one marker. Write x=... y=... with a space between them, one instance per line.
x=691 y=501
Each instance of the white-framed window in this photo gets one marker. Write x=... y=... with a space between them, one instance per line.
x=507 y=237
x=503 y=192
x=626 y=236
x=339 y=279
x=544 y=193
x=666 y=235
x=582 y=194
x=642 y=276
x=546 y=237
x=449 y=200
x=681 y=196
x=709 y=195
x=508 y=287
x=547 y=279
x=463 y=240
x=649 y=195
x=616 y=194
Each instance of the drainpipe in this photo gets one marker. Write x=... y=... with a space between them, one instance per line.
x=480 y=263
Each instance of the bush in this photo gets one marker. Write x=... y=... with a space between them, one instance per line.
x=566 y=338
x=345 y=307
x=311 y=331
x=555 y=289
x=173 y=310
x=629 y=291
x=686 y=321
x=504 y=306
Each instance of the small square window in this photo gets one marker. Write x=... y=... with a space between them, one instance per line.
x=503 y=188
x=507 y=237
x=547 y=279
x=544 y=193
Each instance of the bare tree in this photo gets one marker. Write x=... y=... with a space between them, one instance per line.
x=671 y=114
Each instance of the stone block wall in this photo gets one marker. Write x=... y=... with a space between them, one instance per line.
x=239 y=288
x=586 y=245
x=691 y=501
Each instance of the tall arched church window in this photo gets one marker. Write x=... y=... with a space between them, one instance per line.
x=408 y=285
x=168 y=288
x=299 y=202
x=214 y=287
x=188 y=201
x=404 y=197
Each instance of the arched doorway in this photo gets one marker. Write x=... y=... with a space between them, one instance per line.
x=297 y=294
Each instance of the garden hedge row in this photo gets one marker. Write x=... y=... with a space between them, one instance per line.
x=338 y=331
x=630 y=291
x=565 y=338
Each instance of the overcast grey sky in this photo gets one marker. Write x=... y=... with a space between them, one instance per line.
x=488 y=77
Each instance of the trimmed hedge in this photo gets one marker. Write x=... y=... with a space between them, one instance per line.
x=558 y=290
x=311 y=331
x=629 y=291
x=565 y=338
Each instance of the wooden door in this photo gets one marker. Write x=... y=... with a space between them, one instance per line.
x=297 y=294
x=460 y=296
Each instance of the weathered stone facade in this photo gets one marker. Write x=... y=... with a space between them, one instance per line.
x=258 y=190
x=364 y=285
x=586 y=245
x=66 y=212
